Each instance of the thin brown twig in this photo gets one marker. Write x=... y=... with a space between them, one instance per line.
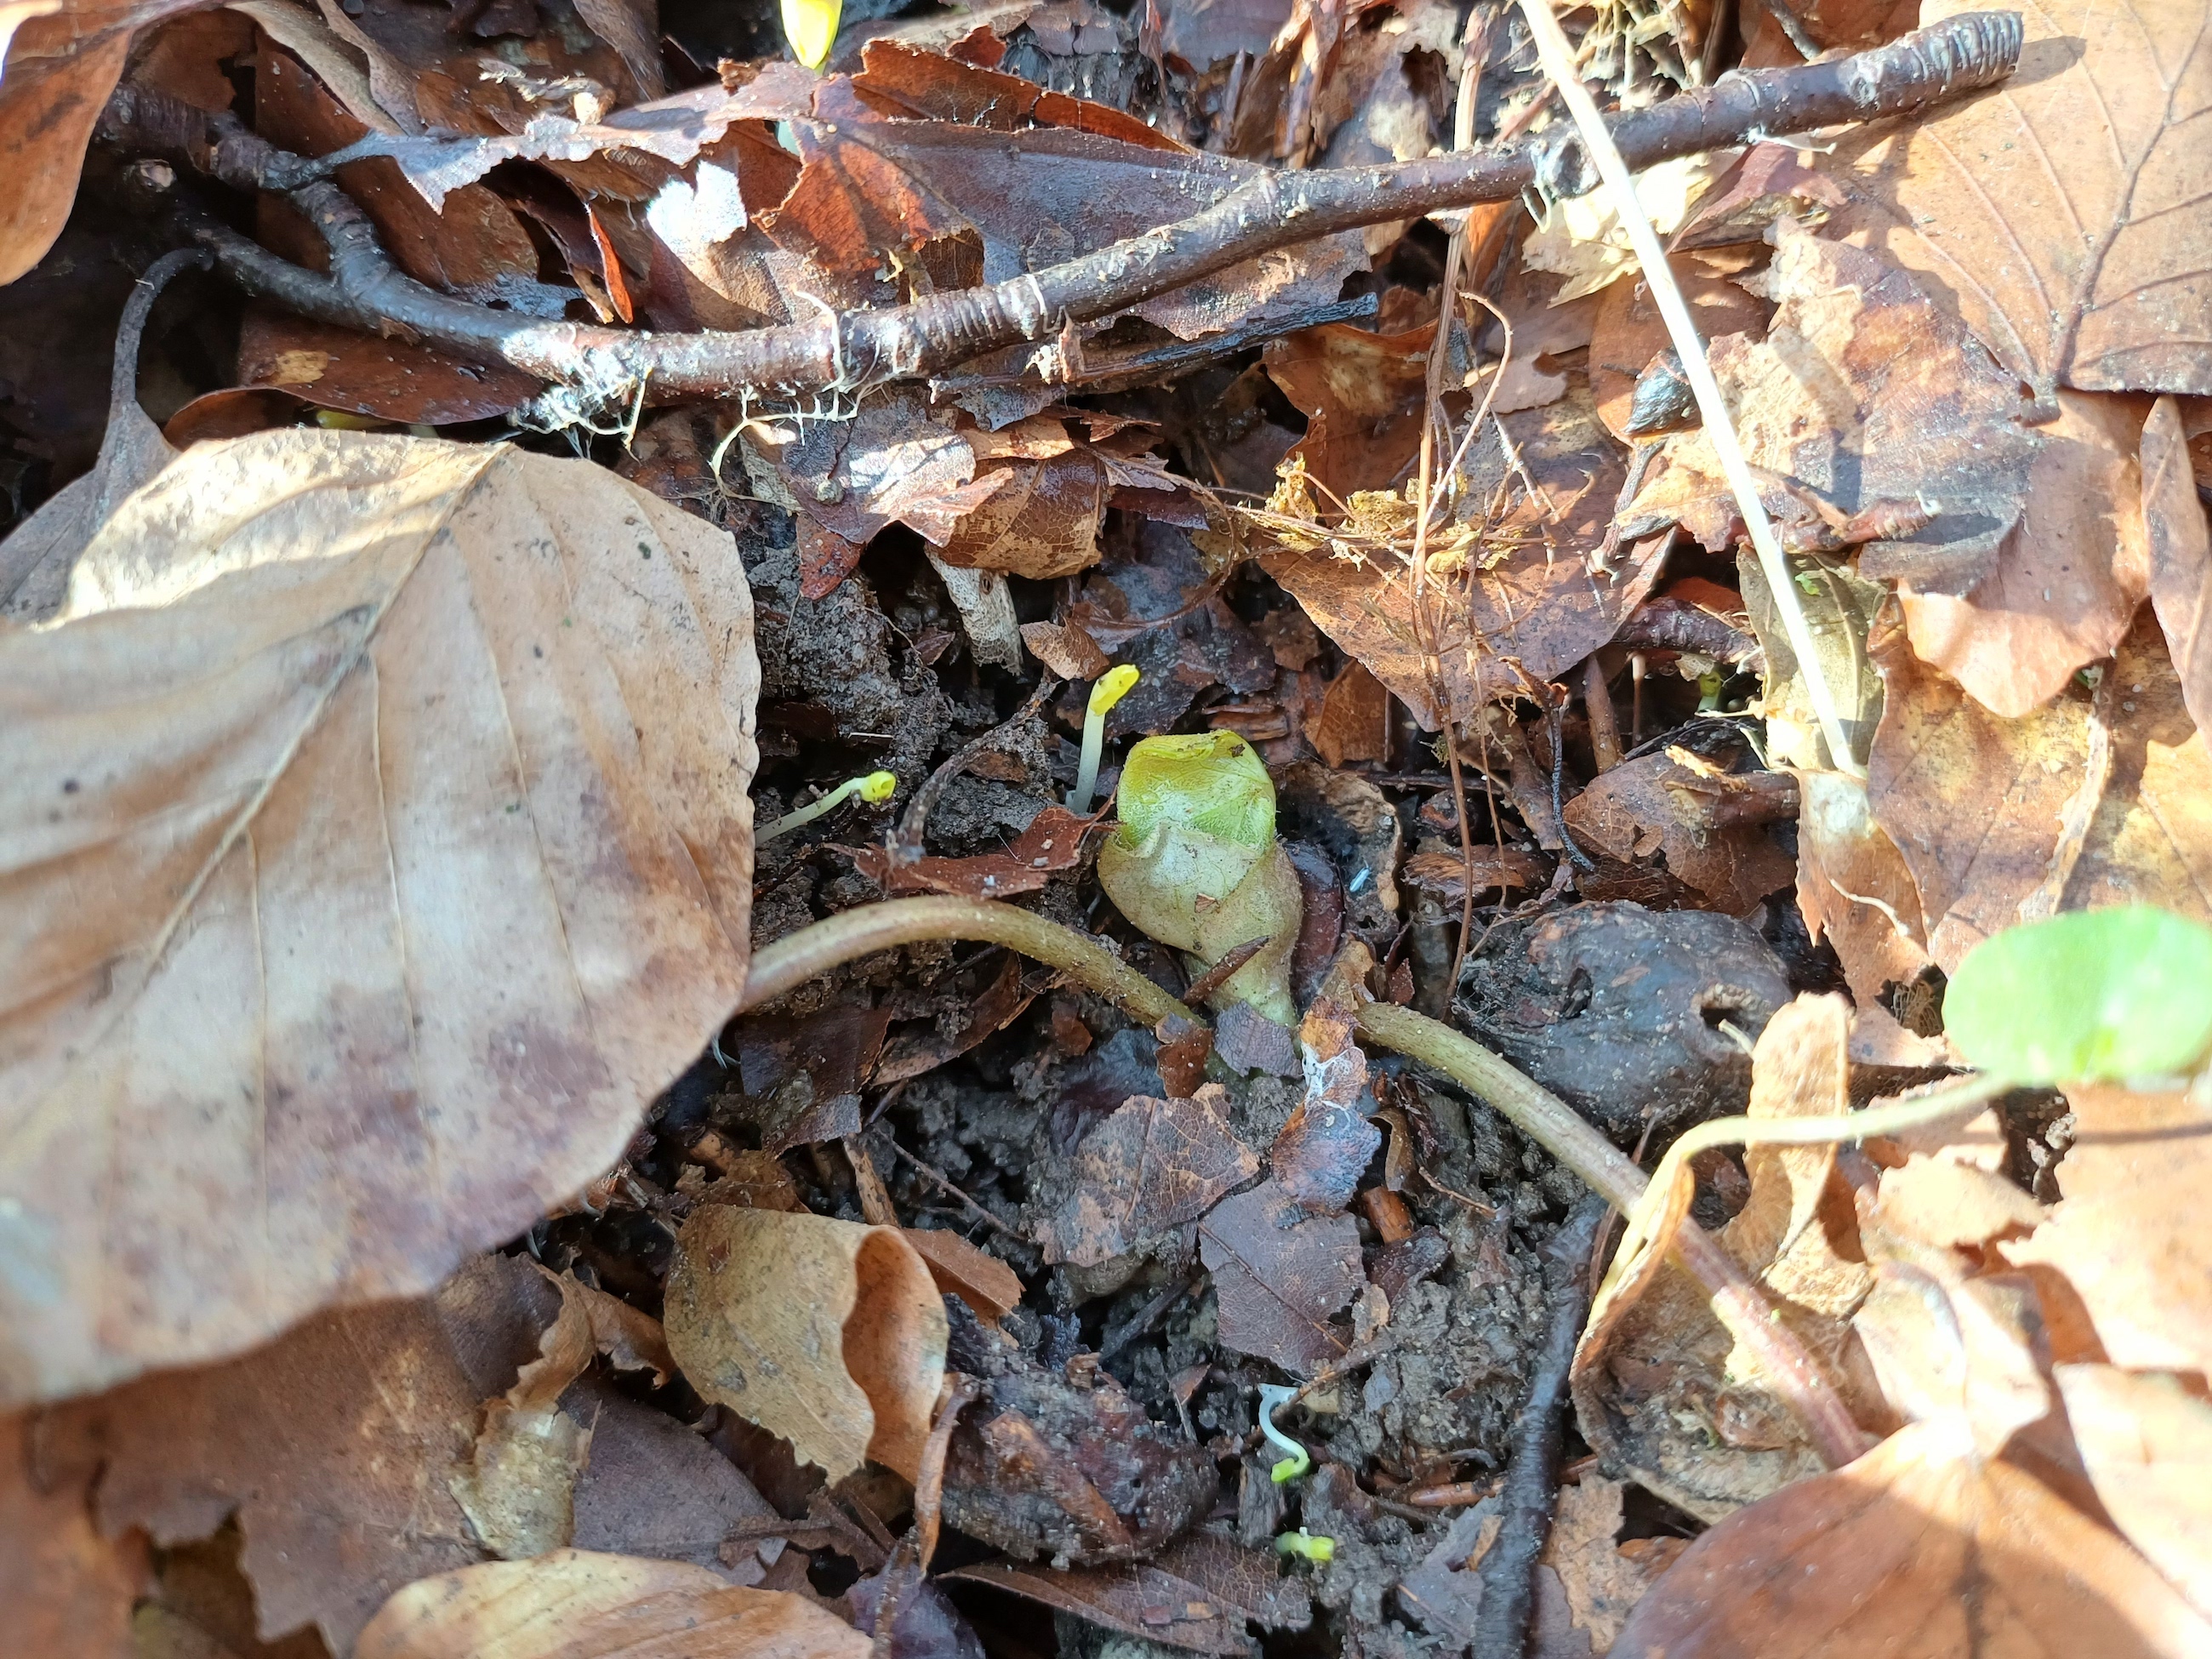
x=1272 y=211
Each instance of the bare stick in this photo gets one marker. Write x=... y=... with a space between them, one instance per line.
x=1273 y=210
x=1558 y=61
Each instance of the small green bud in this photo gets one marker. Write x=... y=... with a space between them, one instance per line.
x=1316 y=1548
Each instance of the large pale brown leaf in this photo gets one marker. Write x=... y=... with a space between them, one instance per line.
x=2066 y=214
x=573 y=1604
x=2179 y=543
x=375 y=841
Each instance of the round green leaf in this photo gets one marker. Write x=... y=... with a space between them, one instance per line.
x=1211 y=781
x=2091 y=994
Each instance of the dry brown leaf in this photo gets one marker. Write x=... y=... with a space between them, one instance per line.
x=573 y=1604
x=2145 y=1438
x=1067 y=651
x=2180 y=549
x=1854 y=888
x=986 y=1284
x=829 y=1334
x=1601 y=1580
x=62 y=59
x=1361 y=394
x=1650 y=1373
x=2065 y=215
x=67 y=1591
x=519 y=1486
x=2128 y=1233
x=1660 y=805
x=1529 y=596
x=1041 y=522
x=1152 y=1166
x=1919 y=1550
x=332 y=1446
x=379 y=845
x=2068 y=576
x=2097 y=799
x=1629 y=332
x=1281 y=1276
x=1354 y=722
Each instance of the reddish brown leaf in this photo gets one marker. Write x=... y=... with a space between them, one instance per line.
x=1067 y=651
x=1281 y=1275
x=1040 y=522
x=1354 y=715
x=1052 y=843
x=1710 y=827
x=897 y=79
x=1629 y=332
x=68 y=1590
x=982 y=1280
x=393 y=380
x=1362 y=395
x=1535 y=601
x=1152 y=1166
x=1496 y=869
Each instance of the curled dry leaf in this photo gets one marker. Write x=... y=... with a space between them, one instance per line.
x=829 y=1334
x=518 y=1487
x=428 y=756
x=2074 y=245
x=1646 y=1368
x=1709 y=825
x=1919 y=1550
x=574 y=1604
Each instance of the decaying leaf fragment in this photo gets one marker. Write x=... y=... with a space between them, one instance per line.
x=829 y=1334
x=376 y=843
x=1153 y=1165
x=519 y=1488
x=575 y=1604
x=1282 y=1275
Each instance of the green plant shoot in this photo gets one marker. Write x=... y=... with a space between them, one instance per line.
x=1195 y=862
x=2087 y=996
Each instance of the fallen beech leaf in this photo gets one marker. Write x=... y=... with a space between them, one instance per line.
x=1152 y=1166
x=394 y=379
x=332 y=1446
x=977 y=1278
x=61 y=61
x=2066 y=214
x=1645 y=1371
x=1198 y=1594
x=1362 y=395
x=1053 y=843
x=573 y=1604
x=1919 y=1550
x=1628 y=332
x=1855 y=890
x=1281 y=1275
x=2180 y=547
x=829 y=1334
x=1067 y=651
x=518 y=1487
x=1711 y=831
x=1585 y=239
x=2147 y=1442
x=2128 y=1233
x=1602 y=1580
x=2068 y=577
x=1536 y=602
x=1355 y=712
x=429 y=756
x=2095 y=799
x=68 y=1590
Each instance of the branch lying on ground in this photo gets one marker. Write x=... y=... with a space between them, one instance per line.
x=1961 y=54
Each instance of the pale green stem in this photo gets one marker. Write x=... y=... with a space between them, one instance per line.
x=797 y=958
x=1558 y=61
x=1108 y=689
x=875 y=789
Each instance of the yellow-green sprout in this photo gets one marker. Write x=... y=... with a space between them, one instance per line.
x=876 y=789
x=1272 y=1399
x=1106 y=690
x=1316 y=1548
x=810 y=27
x=1194 y=863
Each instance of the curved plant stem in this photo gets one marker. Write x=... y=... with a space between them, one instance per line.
x=1737 y=1301
x=797 y=958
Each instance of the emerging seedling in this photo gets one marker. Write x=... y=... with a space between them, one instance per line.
x=810 y=27
x=1106 y=690
x=876 y=789
x=1194 y=863
x=1316 y=1548
x=1273 y=1398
